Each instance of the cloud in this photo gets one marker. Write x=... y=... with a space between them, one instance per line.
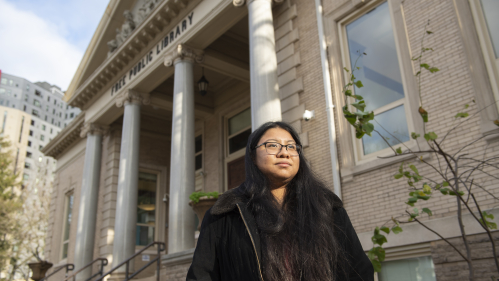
x=35 y=48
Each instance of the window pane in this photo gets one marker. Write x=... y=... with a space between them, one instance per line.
x=198 y=143
x=146 y=208
x=379 y=70
x=392 y=120
x=67 y=223
x=415 y=269
x=490 y=11
x=240 y=121
x=65 y=250
x=239 y=141
x=145 y=235
x=199 y=161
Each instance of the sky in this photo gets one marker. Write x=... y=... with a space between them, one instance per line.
x=44 y=40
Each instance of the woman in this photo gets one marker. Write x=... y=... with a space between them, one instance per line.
x=282 y=223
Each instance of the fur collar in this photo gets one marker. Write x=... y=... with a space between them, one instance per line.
x=227 y=201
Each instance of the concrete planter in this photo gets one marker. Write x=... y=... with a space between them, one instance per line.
x=39 y=269
x=200 y=208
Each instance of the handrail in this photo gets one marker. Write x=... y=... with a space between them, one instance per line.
x=103 y=263
x=157 y=259
x=68 y=266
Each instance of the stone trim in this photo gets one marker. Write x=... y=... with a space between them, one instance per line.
x=66 y=138
x=183 y=52
x=132 y=96
x=288 y=59
x=93 y=129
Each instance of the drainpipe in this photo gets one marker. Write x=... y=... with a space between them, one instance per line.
x=329 y=100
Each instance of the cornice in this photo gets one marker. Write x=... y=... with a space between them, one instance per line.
x=132 y=96
x=147 y=31
x=67 y=137
x=93 y=129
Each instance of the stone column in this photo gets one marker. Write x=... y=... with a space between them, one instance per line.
x=128 y=178
x=265 y=102
x=84 y=244
x=181 y=219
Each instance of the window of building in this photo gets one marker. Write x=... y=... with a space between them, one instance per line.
x=199 y=152
x=29 y=143
x=48 y=98
x=32 y=122
x=53 y=111
x=67 y=225
x=29 y=154
x=4 y=81
x=27 y=165
x=24 y=108
x=26 y=98
x=71 y=115
x=38 y=93
x=420 y=268
x=40 y=147
x=66 y=116
x=52 y=121
x=47 y=108
x=43 y=127
x=1 y=102
x=51 y=130
x=2 y=90
x=25 y=177
x=46 y=117
x=238 y=129
x=42 y=137
x=27 y=87
x=55 y=102
x=146 y=208
x=7 y=103
x=37 y=103
x=35 y=112
x=487 y=23
x=31 y=132
x=383 y=90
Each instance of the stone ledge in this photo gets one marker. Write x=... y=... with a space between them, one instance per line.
x=177 y=258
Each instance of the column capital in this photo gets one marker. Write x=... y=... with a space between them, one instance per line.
x=240 y=3
x=132 y=96
x=93 y=129
x=183 y=52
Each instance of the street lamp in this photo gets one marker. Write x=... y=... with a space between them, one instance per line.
x=203 y=84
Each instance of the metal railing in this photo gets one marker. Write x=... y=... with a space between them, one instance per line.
x=160 y=248
x=68 y=266
x=102 y=264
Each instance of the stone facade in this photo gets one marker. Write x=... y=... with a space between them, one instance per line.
x=370 y=193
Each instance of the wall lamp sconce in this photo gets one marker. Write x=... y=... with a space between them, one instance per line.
x=203 y=85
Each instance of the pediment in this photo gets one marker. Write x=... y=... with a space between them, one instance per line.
x=118 y=22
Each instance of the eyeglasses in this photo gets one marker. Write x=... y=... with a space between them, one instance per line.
x=274 y=148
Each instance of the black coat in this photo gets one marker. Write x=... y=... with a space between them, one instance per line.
x=226 y=252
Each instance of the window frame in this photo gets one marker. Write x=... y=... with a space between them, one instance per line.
x=64 y=218
x=229 y=157
x=486 y=47
x=359 y=156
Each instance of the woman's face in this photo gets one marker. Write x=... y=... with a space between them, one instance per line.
x=282 y=167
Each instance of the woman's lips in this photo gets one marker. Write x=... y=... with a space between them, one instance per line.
x=283 y=164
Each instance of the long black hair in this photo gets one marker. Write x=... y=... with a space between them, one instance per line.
x=298 y=241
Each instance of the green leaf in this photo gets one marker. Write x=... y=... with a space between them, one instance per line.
x=445 y=184
x=397 y=229
x=453 y=193
x=348 y=93
x=346 y=69
x=358 y=133
x=414 y=169
x=489 y=224
x=376 y=265
x=379 y=239
x=359 y=84
x=360 y=105
x=415 y=136
x=424 y=65
x=417 y=73
x=433 y=69
x=357 y=97
x=466 y=106
x=428 y=211
x=430 y=136
x=401 y=168
x=426 y=189
x=385 y=229
x=368 y=128
x=444 y=191
x=398 y=176
x=490 y=216
x=424 y=114
x=380 y=253
x=399 y=150
x=429 y=32
x=462 y=115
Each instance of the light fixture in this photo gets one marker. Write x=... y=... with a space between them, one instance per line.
x=147 y=207
x=203 y=84
x=309 y=114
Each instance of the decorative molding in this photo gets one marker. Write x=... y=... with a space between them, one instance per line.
x=93 y=129
x=183 y=52
x=66 y=138
x=240 y=3
x=132 y=96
